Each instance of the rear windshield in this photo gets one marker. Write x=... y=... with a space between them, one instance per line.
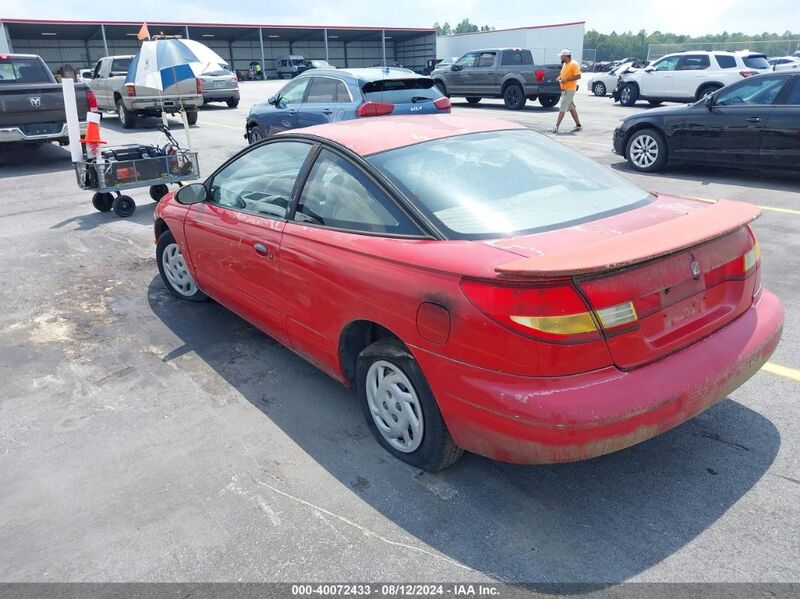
x=756 y=61
x=505 y=183
x=121 y=65
x=23 y=70
x=401 y=91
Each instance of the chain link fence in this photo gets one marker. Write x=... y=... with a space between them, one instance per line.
x=770 y=47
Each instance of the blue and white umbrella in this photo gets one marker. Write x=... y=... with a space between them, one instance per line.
x=162 y=63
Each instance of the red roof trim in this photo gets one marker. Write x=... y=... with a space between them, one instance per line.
x=520 y=28
x=181 y=24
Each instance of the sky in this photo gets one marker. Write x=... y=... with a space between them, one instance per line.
x=693 y=17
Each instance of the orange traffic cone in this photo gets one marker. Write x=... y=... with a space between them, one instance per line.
x=92 y=139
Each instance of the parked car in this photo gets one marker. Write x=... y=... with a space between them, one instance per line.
x=83 y=75
x=752 y=123
x=602 y=84
x=475 y=310
x=321 y=64
x=316 y=97
x=33 y=102
x=445 y=63
x=132 y=101
x=220 y=85
x=507 y=73
x=785 y=63
x=687 y=76
x=291 y=65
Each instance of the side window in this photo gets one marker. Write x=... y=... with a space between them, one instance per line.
x=794 y=95
x=725 y=61
x=752 y=92
x=293 y=93
x=337 y=194
x=513 y=58
x=97 y=68
x=694 y=62
x=467 y=61
x=324 y=90
x=261 y=181
x=667 y=64
x=485 y=59
x=120 y=65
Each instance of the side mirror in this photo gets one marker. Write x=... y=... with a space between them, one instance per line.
x=708 y=100
x=649 y=69
x=195 y=193
x=455 y=67
x=87 y=76
x=273 y=100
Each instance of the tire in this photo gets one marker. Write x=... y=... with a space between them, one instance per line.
x=646 y=150
x=707 y=89
x=102 y=201
x=174 y=273
x=232 y=102
x=123 y=206
x=513 y=97
x=472 y=100
x=599 y=88
x=441 y=87
x=191 y=117
x=126 y=118
x=628 y=95
x=386 y=368
x=255 y=134
x=158 y=191
x=655 y=102
x=549 y=101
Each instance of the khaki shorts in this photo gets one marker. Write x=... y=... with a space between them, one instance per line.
x=567 y=101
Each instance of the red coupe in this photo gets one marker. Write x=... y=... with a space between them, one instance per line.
x=484 y=288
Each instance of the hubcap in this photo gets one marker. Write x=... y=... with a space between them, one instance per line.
x=644 y=151
x=395 y=407
x=176 y=272
x=254 y=136
x=598 y=89
x=626 y=94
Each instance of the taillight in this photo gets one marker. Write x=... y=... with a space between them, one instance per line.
x=130 y=89
x=551 y=312
x=443 y=103
x=374 y=109
x=748 y=73
x=199 y=86
x=91 y=100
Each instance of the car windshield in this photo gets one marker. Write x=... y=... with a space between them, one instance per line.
x=22 y=70
x=401 y=91
x=756 y=61
x=504 y=183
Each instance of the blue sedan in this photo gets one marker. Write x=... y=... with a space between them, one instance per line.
x=321 y=96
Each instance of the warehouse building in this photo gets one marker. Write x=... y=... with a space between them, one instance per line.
x=544 y=41
x=80 y=44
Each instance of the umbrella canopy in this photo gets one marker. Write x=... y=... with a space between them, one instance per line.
x=162 y=63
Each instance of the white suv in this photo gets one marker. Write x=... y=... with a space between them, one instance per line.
x=688 y=76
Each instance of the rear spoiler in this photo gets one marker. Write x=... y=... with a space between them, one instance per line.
x=638 y=246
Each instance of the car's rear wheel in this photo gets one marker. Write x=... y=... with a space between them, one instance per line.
x=646 y=150
x=473 y=100
x=232 y=102
x=102 y=201
x=599 y=88
x=255 y=134
x=548 y=101
x=191 y=116
x=655 y=102
x=126 y=118
x=400 y=409
x=628 y=95
x=173 y=270
x=514 y=97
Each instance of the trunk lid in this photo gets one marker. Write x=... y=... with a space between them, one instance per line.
x=30 y=104
x=660 y=287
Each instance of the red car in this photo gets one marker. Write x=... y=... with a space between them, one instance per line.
x=484 y=288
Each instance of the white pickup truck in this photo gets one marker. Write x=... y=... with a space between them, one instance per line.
x=133 y=101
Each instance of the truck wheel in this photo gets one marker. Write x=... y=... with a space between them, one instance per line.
x=514 y=97
x=599 y=88
x=124 y=206
x=400 y=409
x=473 y=100
x=646 y=151
x=442 y=87
x=232 y=102
x=126 y=118
x=158 y=191
x=102 y=201
x=628 y=95
x=191 y=117
x=548 y=101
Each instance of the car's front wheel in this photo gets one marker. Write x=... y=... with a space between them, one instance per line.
x=400 y=409
x=628 y=95
x=646 y=150
x=126 y=118
x=255 y=134
x=174 y=271
x=599 y=88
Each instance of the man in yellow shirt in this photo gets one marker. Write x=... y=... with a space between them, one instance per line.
x=570 y=73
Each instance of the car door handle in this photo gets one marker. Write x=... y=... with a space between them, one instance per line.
x=327 y=111
x=754 y=119
x=262 y=250
x=292 y=111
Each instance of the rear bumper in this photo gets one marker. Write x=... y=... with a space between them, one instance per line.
x=17 y=135
x=550 y=420
x=220 y=94
x=155 y=104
